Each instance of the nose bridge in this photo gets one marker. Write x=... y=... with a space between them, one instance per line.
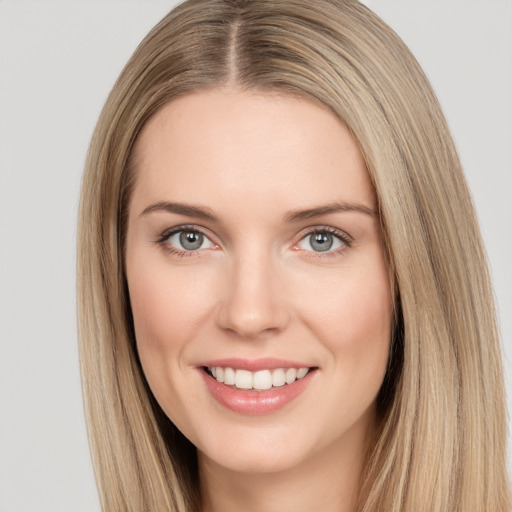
x=252 y=303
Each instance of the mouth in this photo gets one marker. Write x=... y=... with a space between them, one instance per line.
x=261 y=380
x=256 y=387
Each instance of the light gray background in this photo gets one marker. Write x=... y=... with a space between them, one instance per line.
x=58 y=60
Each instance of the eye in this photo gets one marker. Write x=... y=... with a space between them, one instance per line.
x=323 y=241
x=189 y=240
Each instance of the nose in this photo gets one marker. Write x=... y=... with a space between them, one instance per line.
x=253 y=301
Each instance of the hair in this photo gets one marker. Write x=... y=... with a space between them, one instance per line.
x=441 y=439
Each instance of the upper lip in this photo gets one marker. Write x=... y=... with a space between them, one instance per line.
x=254 y=365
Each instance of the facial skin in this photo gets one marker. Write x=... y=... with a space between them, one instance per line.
x=259 y=287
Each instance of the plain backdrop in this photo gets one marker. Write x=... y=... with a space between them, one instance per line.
x=58 y=60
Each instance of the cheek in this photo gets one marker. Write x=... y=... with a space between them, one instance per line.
x=152 y=303
x=167 y=304
x=353 y=319
x=168 y=309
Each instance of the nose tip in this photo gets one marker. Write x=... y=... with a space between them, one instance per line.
x=253 y=303
x=250 y=321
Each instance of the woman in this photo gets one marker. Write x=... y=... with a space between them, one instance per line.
x=283 y=292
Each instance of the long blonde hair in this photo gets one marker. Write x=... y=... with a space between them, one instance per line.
x=441 y=441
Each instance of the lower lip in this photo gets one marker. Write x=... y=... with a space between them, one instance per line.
x=253 y=402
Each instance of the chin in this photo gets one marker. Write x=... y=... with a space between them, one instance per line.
x=271 y=448
x=252 y=460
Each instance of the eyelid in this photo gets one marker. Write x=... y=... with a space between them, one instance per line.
x=343 y=236
x=325 y=229
x=163 y=238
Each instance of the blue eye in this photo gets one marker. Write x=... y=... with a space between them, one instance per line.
x=189 y=240
x=322 y=241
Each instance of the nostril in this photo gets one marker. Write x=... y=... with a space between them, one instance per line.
x=266 y=320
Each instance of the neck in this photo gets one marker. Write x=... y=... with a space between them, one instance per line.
x=328 y=480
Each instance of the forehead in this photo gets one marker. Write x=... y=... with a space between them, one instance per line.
x=228 y=144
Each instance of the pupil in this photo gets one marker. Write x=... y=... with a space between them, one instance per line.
x=191 y=240
x=321 y=242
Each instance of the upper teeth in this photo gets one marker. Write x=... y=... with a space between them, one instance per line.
x=260 y=380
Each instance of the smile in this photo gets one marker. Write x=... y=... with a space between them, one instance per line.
x=259 y=380
x=256 y=387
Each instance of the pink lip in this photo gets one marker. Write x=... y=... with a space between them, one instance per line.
x=251 y=402
x=254 y=365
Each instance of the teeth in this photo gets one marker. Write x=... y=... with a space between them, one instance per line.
x=229 y=376
x=243 y=379
x=278 y=378
x=260 y=380
x=301 y=372
x=290 y=375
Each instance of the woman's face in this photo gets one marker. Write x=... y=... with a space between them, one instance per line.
x=254 y=253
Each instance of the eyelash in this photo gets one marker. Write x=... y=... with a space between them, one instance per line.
x=345 y=239
x=162 y=241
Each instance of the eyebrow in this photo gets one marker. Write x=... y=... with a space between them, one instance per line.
x=181 y=209
x=291 y=216
x=311 y=213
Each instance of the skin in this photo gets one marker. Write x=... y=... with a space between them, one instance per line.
x=257 y=288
